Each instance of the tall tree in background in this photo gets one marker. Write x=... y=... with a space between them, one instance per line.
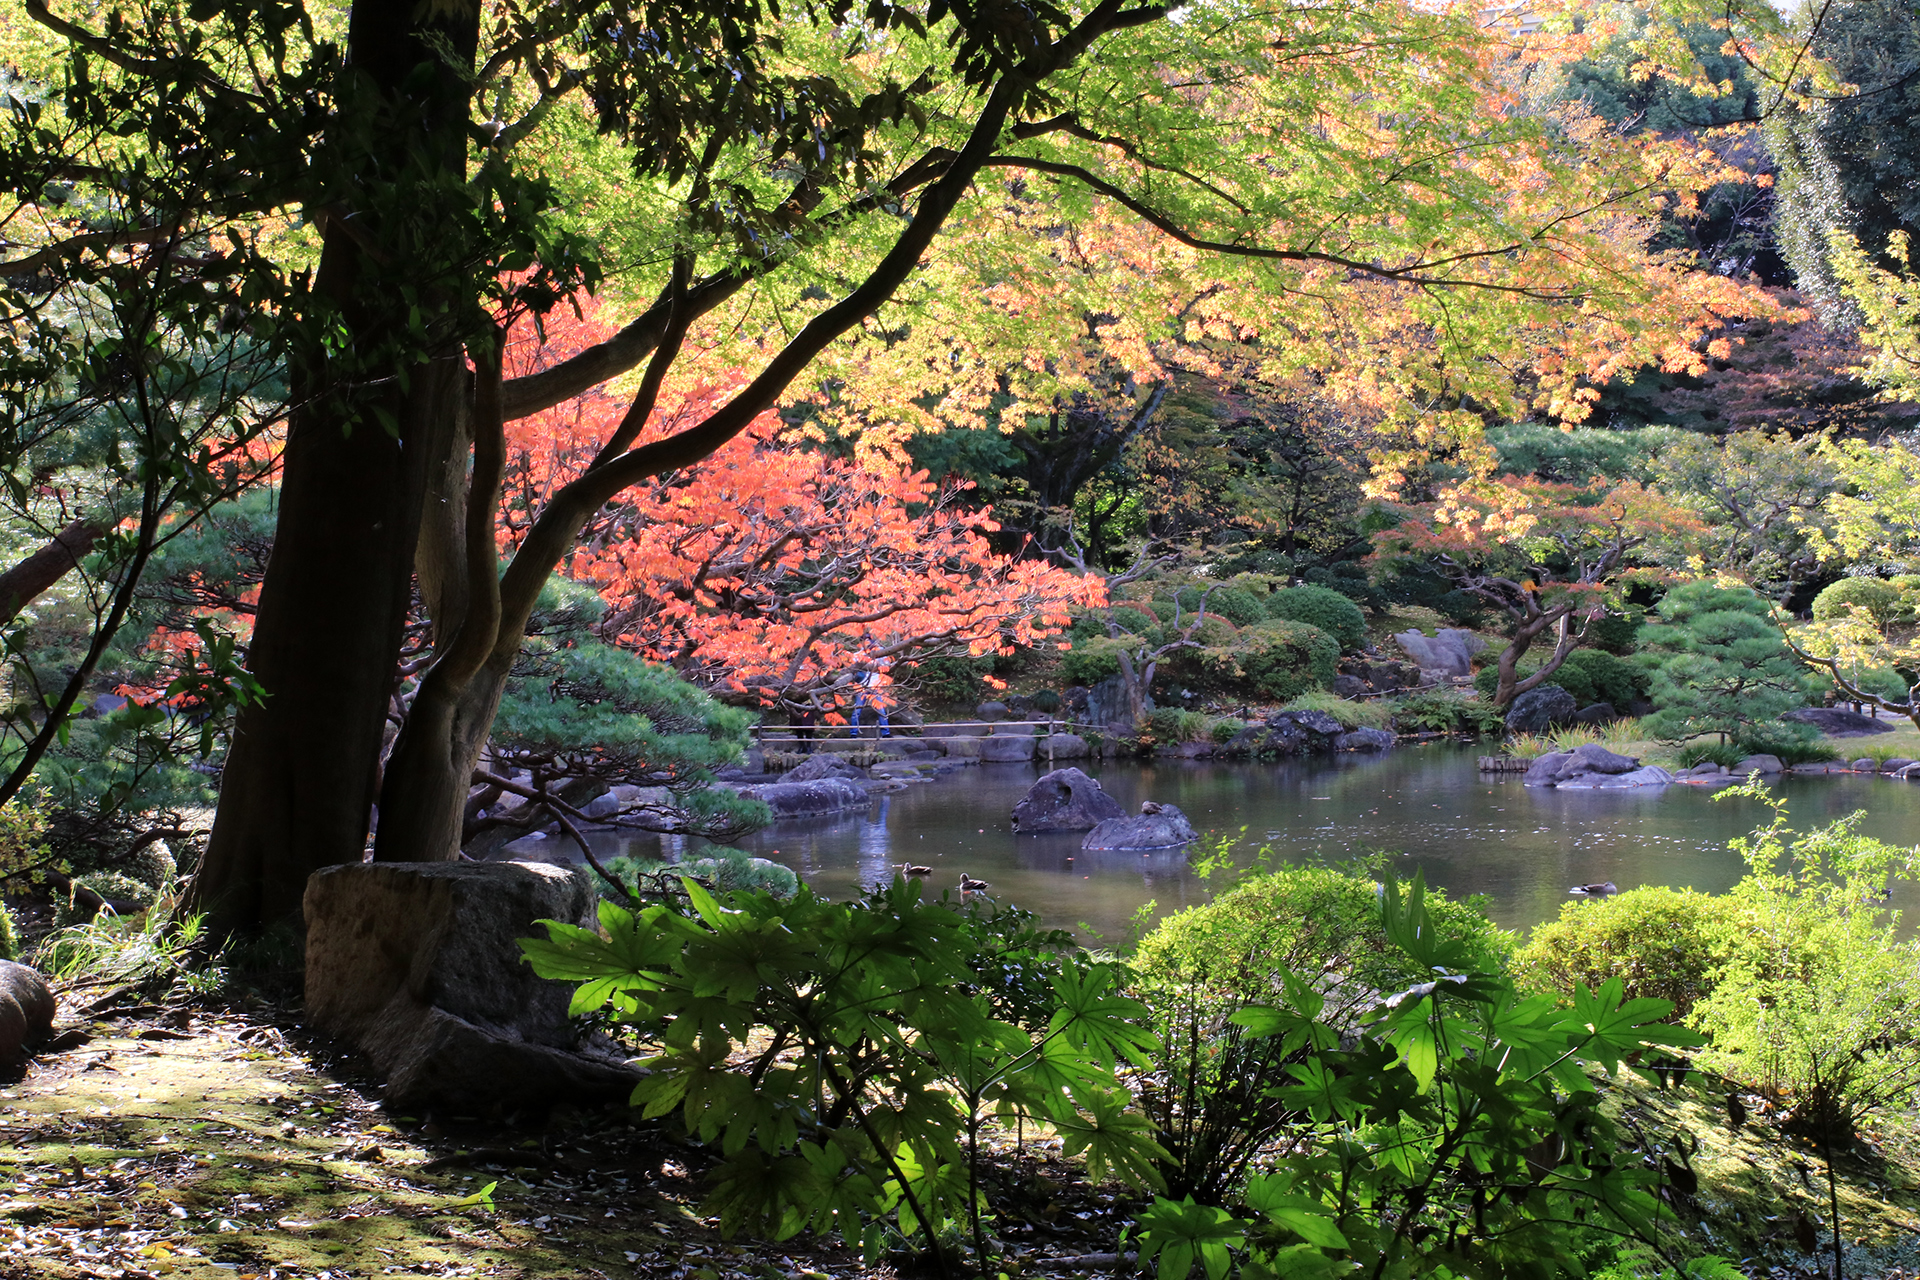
x=1849 y=151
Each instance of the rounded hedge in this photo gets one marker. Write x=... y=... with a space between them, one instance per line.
x=1310 y=920
x=1884 y=601
x=1324 y=608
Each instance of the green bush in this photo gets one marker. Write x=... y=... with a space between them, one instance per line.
x=1589 y=675
x=1236 y=604
x=1092 y=660
x=1280 y=659
x=1726 y=753
x=1887 y=603
x=835 y=1056
x=1821 y=1007
x=1486 y=681
x=1226 y=729
x=1311 y=919
x=1791 y=742
x=1046 y=702
x=1214 y=631
x=1171 y=724
x=1660 y=942
x=955 y=680
x=9 y=934
x=1324 y=608
x=1446 y=711
x=1614 y=632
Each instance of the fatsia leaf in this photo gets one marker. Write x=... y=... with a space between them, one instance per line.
x=1117 y=1142
x=1180 y=1232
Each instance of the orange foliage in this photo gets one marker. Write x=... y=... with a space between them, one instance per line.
x=771 y=569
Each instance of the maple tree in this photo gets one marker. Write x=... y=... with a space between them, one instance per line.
x=1365 y=186
x=772 y=570
x=1549 y=557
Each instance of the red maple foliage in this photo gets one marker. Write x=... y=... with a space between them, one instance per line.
x=772 y=571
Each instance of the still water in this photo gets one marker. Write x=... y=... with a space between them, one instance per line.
x=1521 y=846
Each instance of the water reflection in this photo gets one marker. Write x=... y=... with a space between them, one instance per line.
x=1428 y=805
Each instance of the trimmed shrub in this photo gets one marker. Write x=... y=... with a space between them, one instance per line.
x=1236 y=604
x=1046 y=702
x=1791 y=743
x=1886 y=602
x=1661 y=942
x=1305 y=919
x=1092 y=660
x=1280 y=660
x=1226 y=729
x=1324 y=608
x=1590 y=675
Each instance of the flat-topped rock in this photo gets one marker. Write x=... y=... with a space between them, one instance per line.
x=809 y=799
x=1838 y=722
x=1156 y=826
x=418 y=965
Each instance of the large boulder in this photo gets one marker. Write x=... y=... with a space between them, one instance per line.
x=823 y=765
x=26 y=1012
x=1762 y=763
x=418 y=965
x=1010 y=749
x=1539 y=709
x=1838 y=722
x=1364 y=740
x=1063 y=746
x=1065 y=800
x=1448 y=651
x=808 y=799
x=1156 y=826
x=1591 y=767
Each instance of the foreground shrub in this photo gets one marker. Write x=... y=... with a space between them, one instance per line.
x=1667 y=944
x=719 y=869
x=1397 y=1131
x=842 y=1057
x=1821 y=1005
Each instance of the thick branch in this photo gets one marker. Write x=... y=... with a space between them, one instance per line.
x=39 y=571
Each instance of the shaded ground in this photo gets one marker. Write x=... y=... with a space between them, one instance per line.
x=190 y=1141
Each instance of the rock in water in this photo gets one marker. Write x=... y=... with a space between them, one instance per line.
x=1062 y=746
x=809 y=799
x=1591 y=767
x=1162 y=827
x=418 y=966
x=1539 y=709
x=26 y=1012
x=1364 y=740
x=1065 y=800
x=823 y=764
x=1007 y=749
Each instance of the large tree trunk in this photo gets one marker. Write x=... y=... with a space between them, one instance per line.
x=301 y=775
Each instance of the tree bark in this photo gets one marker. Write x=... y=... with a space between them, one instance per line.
x=301 y=774
x=39 y=571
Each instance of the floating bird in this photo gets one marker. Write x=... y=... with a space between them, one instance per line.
x=909 y=869
x=1593 y=890
x=969 y=885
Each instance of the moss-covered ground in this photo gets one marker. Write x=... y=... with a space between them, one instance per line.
x=197 y=1140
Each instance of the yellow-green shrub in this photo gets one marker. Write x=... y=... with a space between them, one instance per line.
x=1661 y=942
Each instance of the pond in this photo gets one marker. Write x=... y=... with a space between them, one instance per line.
x=1471 y=833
